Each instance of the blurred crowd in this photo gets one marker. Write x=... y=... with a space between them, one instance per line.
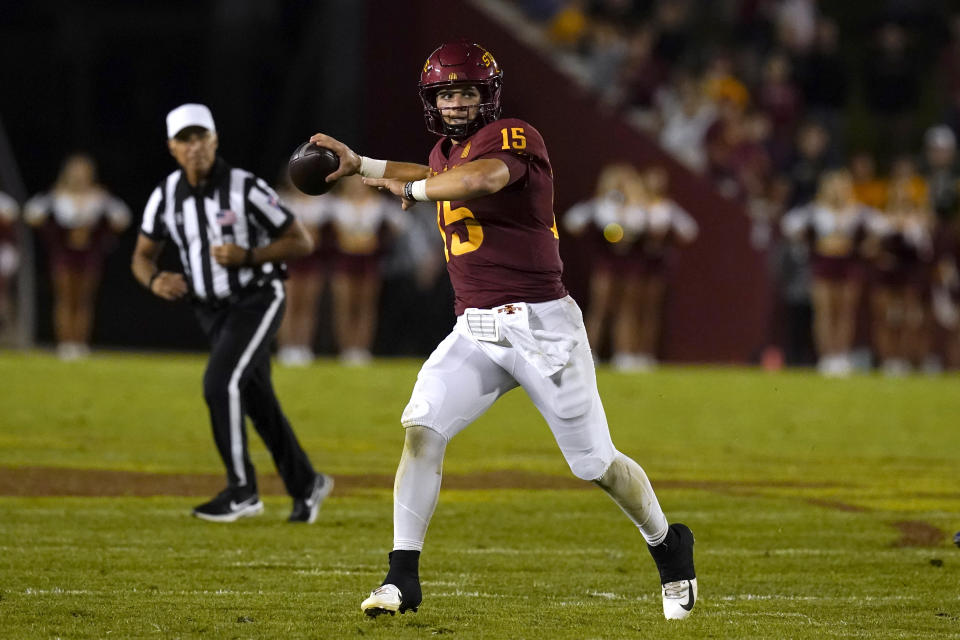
x=830 y=139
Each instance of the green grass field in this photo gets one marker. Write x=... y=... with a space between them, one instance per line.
x=822 y=509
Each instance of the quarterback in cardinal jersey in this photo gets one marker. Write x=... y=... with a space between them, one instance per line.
x=502 y=247
x=516 y=326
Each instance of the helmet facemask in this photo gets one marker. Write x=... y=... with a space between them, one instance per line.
x=488 y=110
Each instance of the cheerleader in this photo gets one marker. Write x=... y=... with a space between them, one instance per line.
x=839 y=232
x=612 y=222
x=901 y=264
x=363 y=222
x=306 y=277
x=668 y=226
x=78 y=220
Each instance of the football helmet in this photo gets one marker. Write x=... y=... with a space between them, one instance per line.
x=458 y=64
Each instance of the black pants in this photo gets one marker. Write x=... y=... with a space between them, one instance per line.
x=237 y=384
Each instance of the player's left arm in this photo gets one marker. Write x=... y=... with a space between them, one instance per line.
x=471 y=180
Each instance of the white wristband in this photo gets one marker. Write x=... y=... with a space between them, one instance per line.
x=370 y=168
x=419 y=191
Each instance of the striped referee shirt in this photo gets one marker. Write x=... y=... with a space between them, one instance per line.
x=232 y=206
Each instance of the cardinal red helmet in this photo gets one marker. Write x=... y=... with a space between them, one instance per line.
x=460 y=64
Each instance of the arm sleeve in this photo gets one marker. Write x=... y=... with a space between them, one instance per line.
x=152 y=226
x=269 y=213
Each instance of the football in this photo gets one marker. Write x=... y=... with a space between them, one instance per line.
x=309 y=167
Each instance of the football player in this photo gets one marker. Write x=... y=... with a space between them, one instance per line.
x=516 y=325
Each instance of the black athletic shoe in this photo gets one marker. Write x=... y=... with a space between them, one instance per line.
x=956 y=538
x=305 y=509
x=400 y=590
x=674 y=558
x=230 y=505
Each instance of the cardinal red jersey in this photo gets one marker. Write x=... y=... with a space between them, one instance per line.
x=502 y=247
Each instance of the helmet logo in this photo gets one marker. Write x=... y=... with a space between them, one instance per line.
x=487 y=59
x=452 y=76
x=426 y=65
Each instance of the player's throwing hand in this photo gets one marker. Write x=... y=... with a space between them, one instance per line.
x=349 y=161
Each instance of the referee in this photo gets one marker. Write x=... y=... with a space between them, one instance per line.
x=232 y=234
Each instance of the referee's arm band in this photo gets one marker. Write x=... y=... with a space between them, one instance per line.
x=370 y=168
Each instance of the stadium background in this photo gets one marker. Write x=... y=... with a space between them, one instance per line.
x=822 y=508
x=99 y=76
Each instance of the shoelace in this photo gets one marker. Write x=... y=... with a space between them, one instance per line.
x=675 y=590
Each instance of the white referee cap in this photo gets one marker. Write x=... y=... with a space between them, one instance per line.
x=189 y=115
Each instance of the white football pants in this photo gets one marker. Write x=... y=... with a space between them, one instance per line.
x=464 y=376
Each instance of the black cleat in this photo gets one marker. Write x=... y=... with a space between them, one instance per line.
x=678 y=580
x=230 y=505
x=305 y=509
x=400 y=590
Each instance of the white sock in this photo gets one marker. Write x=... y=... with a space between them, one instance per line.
x=628 y=485
x=417 y=486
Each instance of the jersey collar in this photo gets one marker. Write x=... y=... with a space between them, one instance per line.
x=218 y=173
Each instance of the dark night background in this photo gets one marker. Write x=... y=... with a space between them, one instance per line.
x=101 y=76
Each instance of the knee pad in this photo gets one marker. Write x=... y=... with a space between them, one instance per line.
x=591 y=466
x=426 y=399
